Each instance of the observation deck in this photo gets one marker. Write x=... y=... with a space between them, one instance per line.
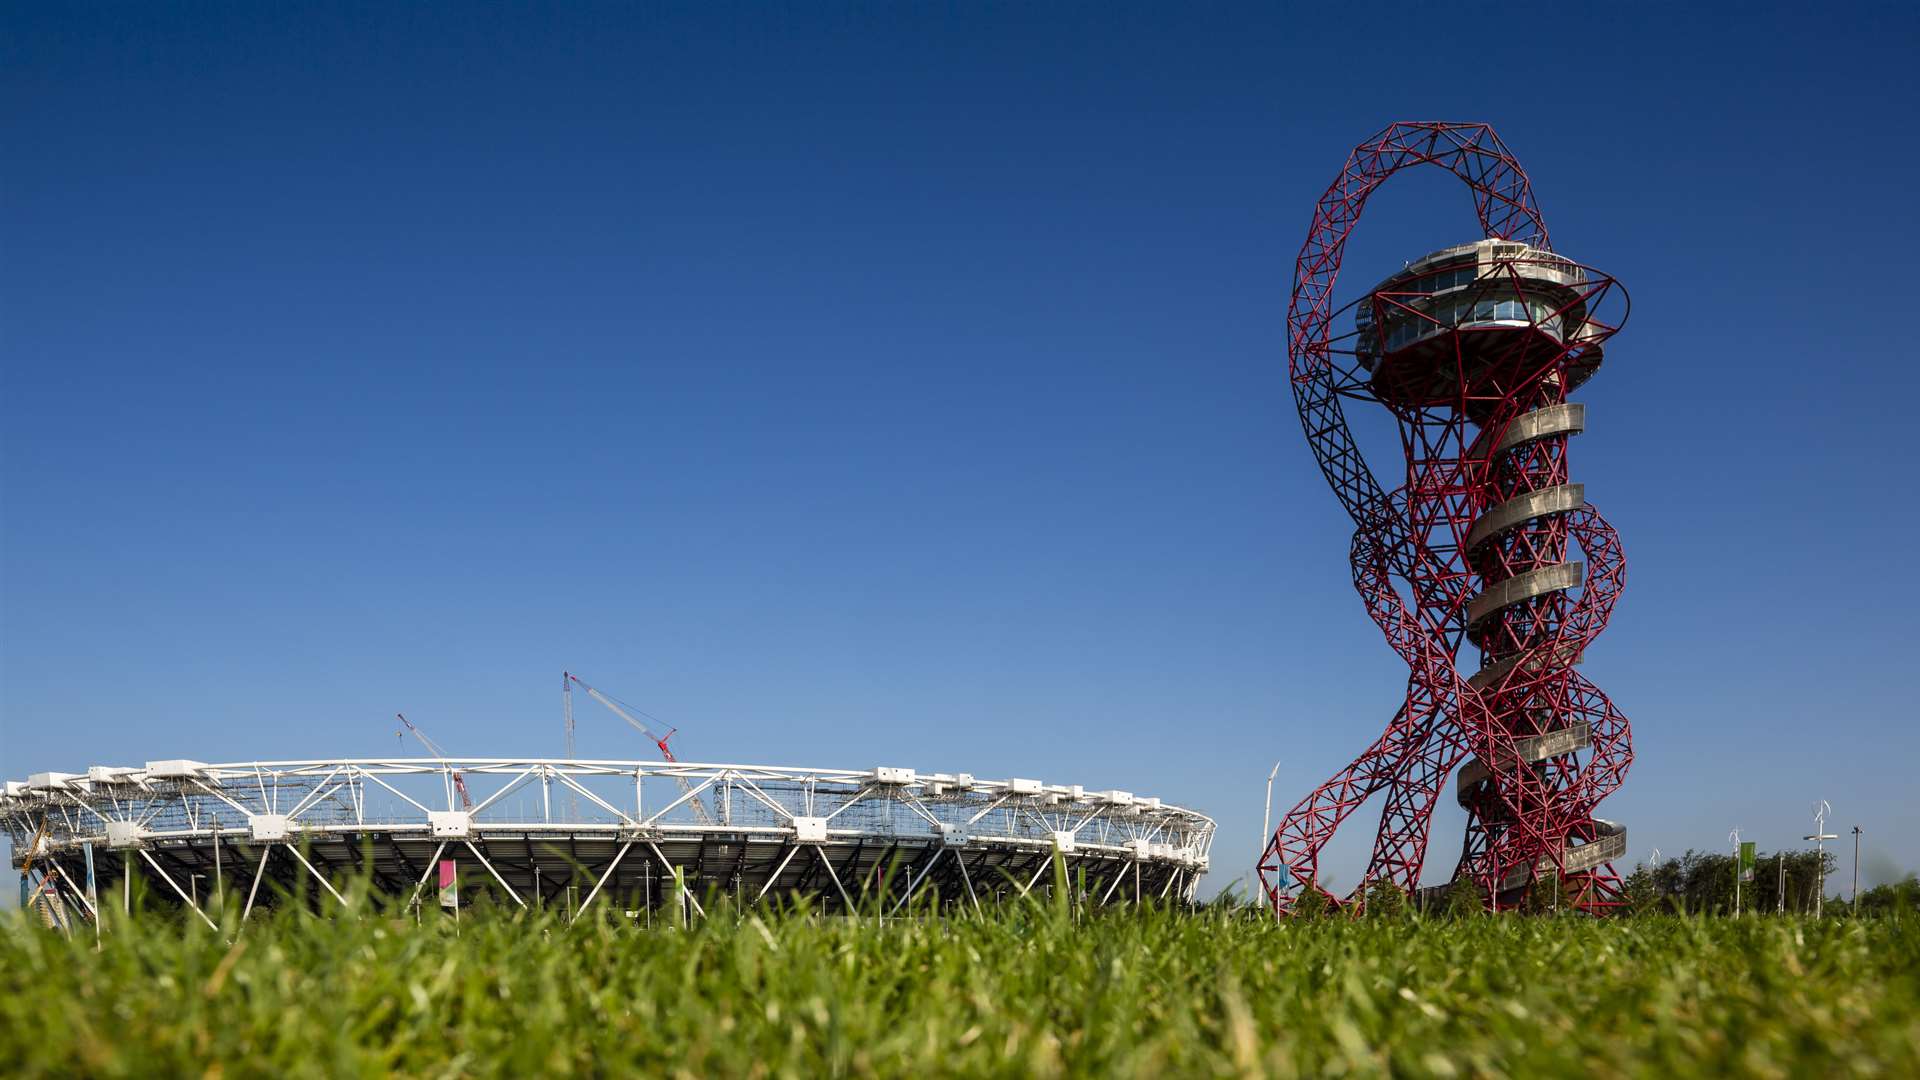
x=1471 y=322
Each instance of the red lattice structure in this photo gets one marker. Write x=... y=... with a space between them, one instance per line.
x=1474 y=350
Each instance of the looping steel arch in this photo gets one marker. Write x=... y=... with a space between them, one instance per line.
x=1503 y=201
x=1437 y=568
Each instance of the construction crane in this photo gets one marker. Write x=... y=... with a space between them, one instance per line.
x=566 y=700
x=571 y=680
x=45 y=898
x=459 y=781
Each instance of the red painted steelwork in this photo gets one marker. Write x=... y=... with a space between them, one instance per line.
x=1471 y=404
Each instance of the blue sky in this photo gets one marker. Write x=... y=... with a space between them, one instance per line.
x=906 y=385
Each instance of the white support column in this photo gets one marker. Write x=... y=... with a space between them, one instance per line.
x=968 y=879
x=828 y=863
x=495 y=873
x=688 y=893
x=1035 y=879
x=317 y=875
x=777 y=871
x=168 y=878
x=902 y=902
x=425 y=874
x=604 y=878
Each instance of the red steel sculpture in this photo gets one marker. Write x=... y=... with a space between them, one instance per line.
x=1474 y=350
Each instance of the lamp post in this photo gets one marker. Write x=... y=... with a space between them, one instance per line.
x=1853 y=894
x=1820 y=836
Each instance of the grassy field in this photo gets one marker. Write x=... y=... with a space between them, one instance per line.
x=1029 y=991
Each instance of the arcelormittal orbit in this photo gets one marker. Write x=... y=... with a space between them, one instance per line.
x=1484 y=540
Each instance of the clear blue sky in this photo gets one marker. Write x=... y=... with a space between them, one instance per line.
x=905 y=385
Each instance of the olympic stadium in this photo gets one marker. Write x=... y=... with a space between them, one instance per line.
x=639 y=837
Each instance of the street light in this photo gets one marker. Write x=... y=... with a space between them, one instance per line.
x=1820 y=836
x=1853 y=895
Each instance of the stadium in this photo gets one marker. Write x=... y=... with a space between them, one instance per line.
x=642 y=837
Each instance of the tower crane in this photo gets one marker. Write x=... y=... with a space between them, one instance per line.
x=666 y=752
x=459 y=781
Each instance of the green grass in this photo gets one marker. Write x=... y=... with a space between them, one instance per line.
x=1025 y=992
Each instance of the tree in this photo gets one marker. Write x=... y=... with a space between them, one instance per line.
x=1541 y=894
x=1464 y=899
x=1385 y=900
x=1702 y=882
x=1311 y=904
x=1897 y=899
x=1639 y=893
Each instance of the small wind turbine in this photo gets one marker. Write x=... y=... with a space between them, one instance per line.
x=1820 y=836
